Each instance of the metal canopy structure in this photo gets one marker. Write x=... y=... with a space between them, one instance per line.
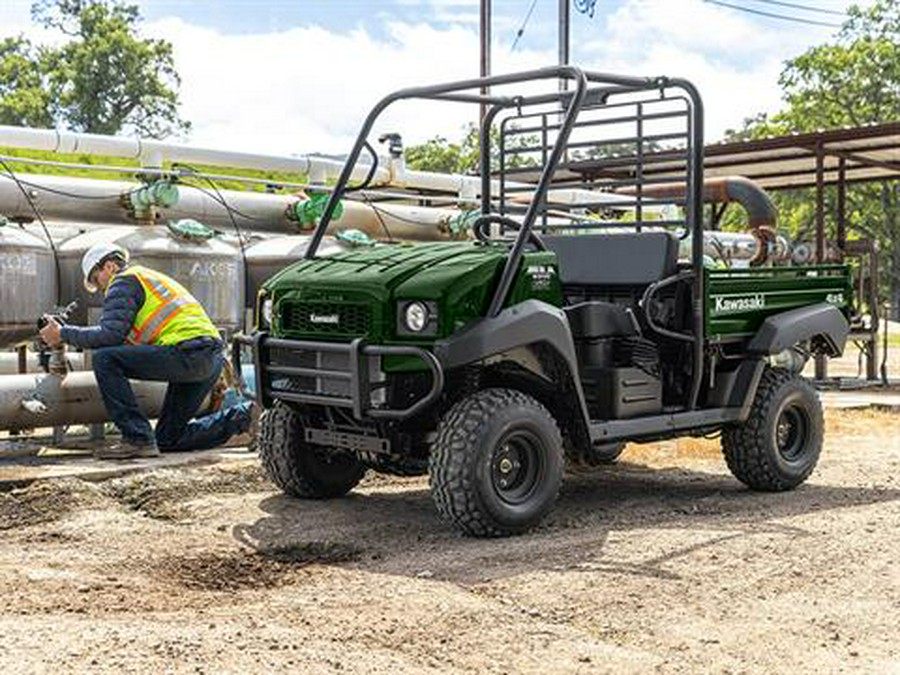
x=832 y=157
x=869 y=153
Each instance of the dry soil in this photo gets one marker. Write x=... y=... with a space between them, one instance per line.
x=661 y=563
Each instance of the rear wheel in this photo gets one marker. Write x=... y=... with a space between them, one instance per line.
x=778 y=446
x=299 y=468
x=497 y=462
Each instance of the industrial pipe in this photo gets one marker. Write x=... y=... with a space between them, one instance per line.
x=761 y=212
x=9 y=362
x=45 y=400
x=152 y=153
x=99 y=202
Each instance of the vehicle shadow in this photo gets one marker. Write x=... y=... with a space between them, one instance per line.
x=396 y=530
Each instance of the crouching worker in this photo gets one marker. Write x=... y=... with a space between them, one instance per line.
x=151 y=328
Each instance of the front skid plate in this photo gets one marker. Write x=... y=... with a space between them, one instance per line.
x=345 y=441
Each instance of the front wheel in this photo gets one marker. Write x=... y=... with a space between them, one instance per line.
x=496 y=464
x=299 y=468
x=779 y=445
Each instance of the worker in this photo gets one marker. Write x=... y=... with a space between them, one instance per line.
x=151 y=328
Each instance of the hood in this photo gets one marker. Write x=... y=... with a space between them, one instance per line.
x=381 y=270
x=356 y=293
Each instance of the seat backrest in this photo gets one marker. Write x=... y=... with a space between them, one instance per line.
x=623 y=259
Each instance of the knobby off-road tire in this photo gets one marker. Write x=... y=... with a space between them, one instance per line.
x=778 y=446
x=496 y=463
x=299 y=468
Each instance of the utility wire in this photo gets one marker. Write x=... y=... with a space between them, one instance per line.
x=40 y=218
x=231 y=212
x=770 y=15
x=521 y=30
x=805 y=8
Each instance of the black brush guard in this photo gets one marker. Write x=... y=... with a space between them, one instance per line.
x=359 y=398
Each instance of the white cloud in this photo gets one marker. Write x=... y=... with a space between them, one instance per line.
x=733 y=59
x=307 y=89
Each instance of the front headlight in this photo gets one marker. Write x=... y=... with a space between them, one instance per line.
x=416 y=317
x=265 y=313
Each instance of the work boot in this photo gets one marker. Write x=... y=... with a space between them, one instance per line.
x=125 y=449
x=252 y=431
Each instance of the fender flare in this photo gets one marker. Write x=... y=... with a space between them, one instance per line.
x=784 y=330
x=526 y=323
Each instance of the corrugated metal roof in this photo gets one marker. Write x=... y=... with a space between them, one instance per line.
x=869 y=153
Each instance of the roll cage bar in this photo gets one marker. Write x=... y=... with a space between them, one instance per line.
x=588 y=89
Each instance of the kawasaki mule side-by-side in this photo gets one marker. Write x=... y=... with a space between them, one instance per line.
x=583 y=314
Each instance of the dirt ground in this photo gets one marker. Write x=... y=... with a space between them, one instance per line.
x=661 y=563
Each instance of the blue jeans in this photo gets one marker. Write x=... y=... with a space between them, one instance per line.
x=190 y=372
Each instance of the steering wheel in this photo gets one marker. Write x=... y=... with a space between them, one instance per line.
x=480 y=229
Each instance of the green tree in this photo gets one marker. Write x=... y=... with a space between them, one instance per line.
x=24 y=99
x=103 y=79
x=851 y=81
x=438 y=154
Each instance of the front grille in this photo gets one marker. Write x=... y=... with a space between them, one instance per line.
x=325 y=361
x=325 y=319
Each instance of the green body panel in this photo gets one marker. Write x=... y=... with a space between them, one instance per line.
x=359 y=293
x=738 y=301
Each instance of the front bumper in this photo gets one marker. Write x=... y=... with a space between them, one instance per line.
x=340 y=374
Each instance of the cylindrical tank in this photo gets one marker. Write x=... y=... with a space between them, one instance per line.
x=27 y=283
x=269 y=256
x=211 y=269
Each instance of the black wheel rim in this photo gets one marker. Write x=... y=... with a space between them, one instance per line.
x=517 y=466
x=791 y=432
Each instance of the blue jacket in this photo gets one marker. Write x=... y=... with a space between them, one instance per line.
x=122 y=302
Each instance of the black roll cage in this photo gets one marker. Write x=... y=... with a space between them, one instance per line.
x=572 y=100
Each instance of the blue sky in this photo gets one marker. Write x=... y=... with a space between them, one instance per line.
x=299 y=76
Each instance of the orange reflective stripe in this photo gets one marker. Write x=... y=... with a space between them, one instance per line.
x=169 y=313
x=159 y=289
x=161 y=317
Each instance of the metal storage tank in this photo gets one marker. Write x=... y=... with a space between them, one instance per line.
x=211 y=269
x=269 y=256
x=27 y=283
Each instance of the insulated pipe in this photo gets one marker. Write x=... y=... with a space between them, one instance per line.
x=98 y=202
x=44 y=400
x=9 y=362
x=152 y=153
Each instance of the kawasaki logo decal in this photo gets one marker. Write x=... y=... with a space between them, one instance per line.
x=726 y=305
x=330 y=319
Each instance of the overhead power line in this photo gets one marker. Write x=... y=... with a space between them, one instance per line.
x=771 y=15
x=805 y=8
x=521 y=30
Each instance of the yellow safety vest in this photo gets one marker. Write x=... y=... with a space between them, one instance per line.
x=169 y=315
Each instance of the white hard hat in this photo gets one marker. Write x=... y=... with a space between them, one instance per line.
x=95 y=255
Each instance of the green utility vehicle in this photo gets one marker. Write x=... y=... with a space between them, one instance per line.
x=582 y=315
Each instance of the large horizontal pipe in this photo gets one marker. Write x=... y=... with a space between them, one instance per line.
x=761 y=211
x=43 y=400
x=68 y=199
x=153 y=153
x=9 y=362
